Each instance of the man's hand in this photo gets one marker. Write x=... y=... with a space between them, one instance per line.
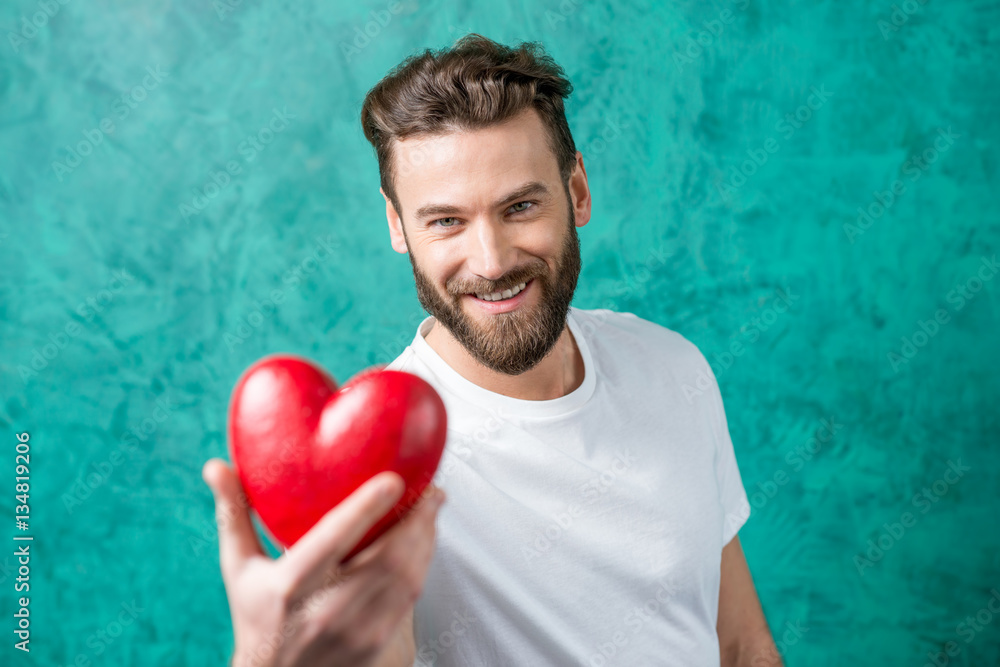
x=306 y=607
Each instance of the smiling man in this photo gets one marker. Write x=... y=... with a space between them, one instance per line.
x=592 y=507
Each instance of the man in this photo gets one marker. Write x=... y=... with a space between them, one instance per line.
x=592 y=505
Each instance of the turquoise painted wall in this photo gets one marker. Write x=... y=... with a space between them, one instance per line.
x=729 y=145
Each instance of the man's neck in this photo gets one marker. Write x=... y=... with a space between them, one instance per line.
x=559 y=373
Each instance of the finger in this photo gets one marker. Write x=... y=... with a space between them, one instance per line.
x=340 y=529
x=394 y=596
x=424 y=510
x=403 y=552
x=237 y=540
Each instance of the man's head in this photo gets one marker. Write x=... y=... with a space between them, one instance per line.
x=484 y=189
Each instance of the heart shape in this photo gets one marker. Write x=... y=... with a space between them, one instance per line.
x=301 y=446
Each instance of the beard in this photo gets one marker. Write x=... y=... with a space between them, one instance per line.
x=515 y=341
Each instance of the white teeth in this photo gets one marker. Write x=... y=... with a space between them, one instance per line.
x=499 y=296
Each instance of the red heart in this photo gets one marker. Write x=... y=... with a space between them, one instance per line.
x=301 y=446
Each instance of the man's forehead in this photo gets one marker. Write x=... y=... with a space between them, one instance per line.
x=521 y=136
x=435 y=169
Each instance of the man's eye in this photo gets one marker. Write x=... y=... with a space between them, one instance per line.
x=522 y=210
x=438 y=222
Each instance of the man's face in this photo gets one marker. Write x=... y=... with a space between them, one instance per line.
x=471 y=228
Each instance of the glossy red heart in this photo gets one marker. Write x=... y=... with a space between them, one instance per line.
x=301 y=446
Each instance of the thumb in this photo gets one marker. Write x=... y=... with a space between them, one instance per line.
x=237 y=539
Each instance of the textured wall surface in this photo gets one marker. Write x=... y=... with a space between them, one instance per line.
x=742 y=157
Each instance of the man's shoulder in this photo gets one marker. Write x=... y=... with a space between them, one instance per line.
x=602 y=322
x=620 y=334
x=644 y=347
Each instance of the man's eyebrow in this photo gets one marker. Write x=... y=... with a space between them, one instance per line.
x=534 y=188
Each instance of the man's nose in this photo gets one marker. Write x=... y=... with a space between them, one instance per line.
x=491 y=253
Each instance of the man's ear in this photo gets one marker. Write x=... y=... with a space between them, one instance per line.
x=396 y=236
x=580 y=192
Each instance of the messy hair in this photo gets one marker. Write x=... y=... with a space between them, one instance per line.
x=474 y=84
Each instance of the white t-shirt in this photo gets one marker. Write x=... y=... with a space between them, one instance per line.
x=586 y=529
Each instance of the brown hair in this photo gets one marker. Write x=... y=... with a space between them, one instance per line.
x=474 y=84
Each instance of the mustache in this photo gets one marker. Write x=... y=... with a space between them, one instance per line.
x=510 y=281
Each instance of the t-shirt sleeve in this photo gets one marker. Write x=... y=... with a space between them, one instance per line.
x=732 y=495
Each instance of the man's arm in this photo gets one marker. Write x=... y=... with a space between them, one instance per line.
x=744 y=638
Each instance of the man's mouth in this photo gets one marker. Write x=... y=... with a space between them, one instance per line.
x=501 y=296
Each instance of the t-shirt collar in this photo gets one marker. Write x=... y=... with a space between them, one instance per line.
x=514 y=407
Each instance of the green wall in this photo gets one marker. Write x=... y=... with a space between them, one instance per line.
x=162 y=96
